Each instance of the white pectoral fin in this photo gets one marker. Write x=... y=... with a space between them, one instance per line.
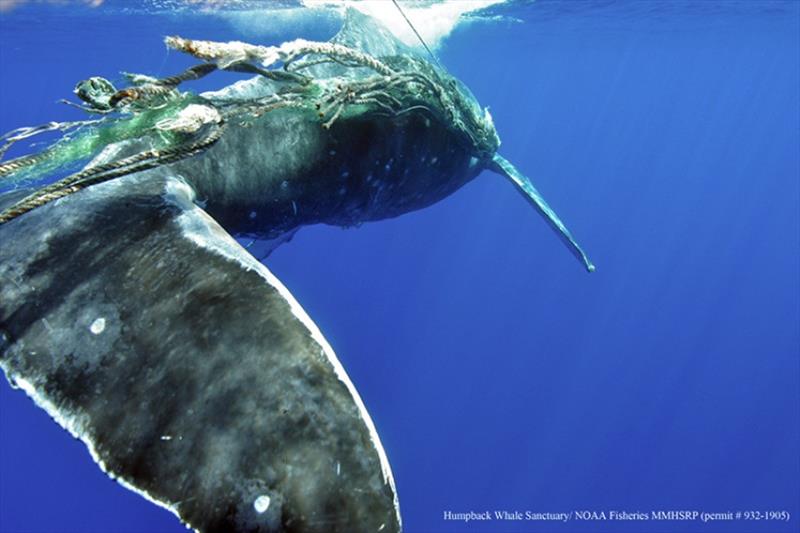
x=524 y=185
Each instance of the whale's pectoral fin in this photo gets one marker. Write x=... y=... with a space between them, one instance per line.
x=189 y=371
x=524 y=185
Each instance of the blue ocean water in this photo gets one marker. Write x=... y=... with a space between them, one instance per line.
x=499 y=374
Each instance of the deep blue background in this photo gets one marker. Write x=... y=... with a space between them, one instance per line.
x=499 y=374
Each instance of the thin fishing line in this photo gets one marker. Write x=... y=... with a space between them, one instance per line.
x=421 y=40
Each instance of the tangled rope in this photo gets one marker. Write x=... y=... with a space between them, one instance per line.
x=13 y=165
x=91 y=176
x=102 y=97
x=234 y=53
x=398 y=85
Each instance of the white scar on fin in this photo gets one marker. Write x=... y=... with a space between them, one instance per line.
x=98 y=326
x=261 y=504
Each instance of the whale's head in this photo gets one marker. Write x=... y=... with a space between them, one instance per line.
x=458 y=106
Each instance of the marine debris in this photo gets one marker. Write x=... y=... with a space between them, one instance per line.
x=130 y=314
x=406 y=84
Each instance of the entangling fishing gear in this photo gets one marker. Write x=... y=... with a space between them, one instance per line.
x=421 y=40
x=98 y=174
x=24 y=133
x=400 y=84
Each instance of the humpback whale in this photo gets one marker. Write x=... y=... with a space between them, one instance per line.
x=130 y=313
